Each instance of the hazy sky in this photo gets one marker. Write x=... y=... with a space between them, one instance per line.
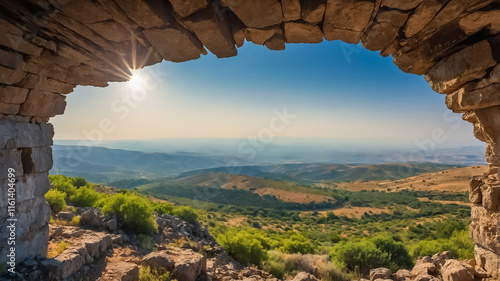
x=332 y=90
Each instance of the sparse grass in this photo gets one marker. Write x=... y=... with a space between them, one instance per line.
x=75 y=221
x=148 y=274
x=55 y=251
x=145 y=241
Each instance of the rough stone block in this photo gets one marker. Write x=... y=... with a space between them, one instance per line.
x=401 y=5
x=260 y=36
x=111 y=30
x=19 y=134
x=11 y=60
x=35 y=246
x=28 y=187
x=175 y=44
x=313 y=11
x=474 y=22
x=11 y=76
x=461 y=67
x=141 y=13
x=385 y=29
x=43 y=104
x=43 y=83
x=464 y=100
x=186 y=8
x=37 y=159
x=301 y=32
x=475 y=196
x=16 y=95
x=291 y=9
x=16 y=42
x=487 y=260
x=10 y=158
x=346 y=19
x=213 y=32
x=256 y=13
x=9 y=108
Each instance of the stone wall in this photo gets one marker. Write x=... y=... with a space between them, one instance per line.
x=49 y=47
x=25 y=147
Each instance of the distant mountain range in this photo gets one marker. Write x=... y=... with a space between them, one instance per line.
x=289 y=163
x=247 y=152
x=98 y=164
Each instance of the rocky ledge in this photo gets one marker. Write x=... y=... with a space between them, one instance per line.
x=99 y=249
x=439 y=267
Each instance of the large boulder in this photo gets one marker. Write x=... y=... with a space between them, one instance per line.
x=185 y=264
x=380 y=273
x=304 y=276
x=402 y=275
x=441 y=258
x=90 y=217
x=454 y=270
x=424 y=266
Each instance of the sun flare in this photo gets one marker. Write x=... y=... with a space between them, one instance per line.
x=136 y=80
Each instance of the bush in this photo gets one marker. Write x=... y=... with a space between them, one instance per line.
x=80 y=182
x=358 y=256
x=275 y=264
x=136 y=212
x=187 y=213
x=63 y=184
x=163 y=208
x=86 y=197
x=297 y=244
x=371 y=253
x=75 y=221
x=459 y=244
x=245 y=246
x=55 y=198
x=148 y=274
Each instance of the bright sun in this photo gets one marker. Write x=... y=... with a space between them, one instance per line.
x=136 y=81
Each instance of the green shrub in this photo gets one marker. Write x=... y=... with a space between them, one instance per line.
x=148 y=274
x=244 y=245
x=86 y=197
x=358 y=256
x=80 y=182
x=396 y=251
x=63 y=184
x=297 y=243
x=113 y=204
x=136 y=212
x=275 y=264
x=163 y=208
x=56 y=201
x=186 y=212
x=459 y=244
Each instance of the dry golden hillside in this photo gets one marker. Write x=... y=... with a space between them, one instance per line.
x=456 y=180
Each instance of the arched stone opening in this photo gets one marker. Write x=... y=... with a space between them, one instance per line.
x=49 y=47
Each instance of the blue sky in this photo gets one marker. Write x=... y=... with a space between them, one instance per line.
x=334 y=90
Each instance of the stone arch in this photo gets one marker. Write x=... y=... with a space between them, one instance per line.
x=49 y=47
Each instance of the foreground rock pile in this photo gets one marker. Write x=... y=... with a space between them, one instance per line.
x=101 y=250
x=440 y=267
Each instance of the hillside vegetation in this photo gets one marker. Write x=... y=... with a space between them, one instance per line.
x=345 y=230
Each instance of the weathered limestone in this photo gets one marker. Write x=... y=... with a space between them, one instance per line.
x=175 y=44
x=346 y=19
x=47 y=48
x=184 y=264
x=25 y=147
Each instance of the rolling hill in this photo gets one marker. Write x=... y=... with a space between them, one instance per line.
x=99 y=164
